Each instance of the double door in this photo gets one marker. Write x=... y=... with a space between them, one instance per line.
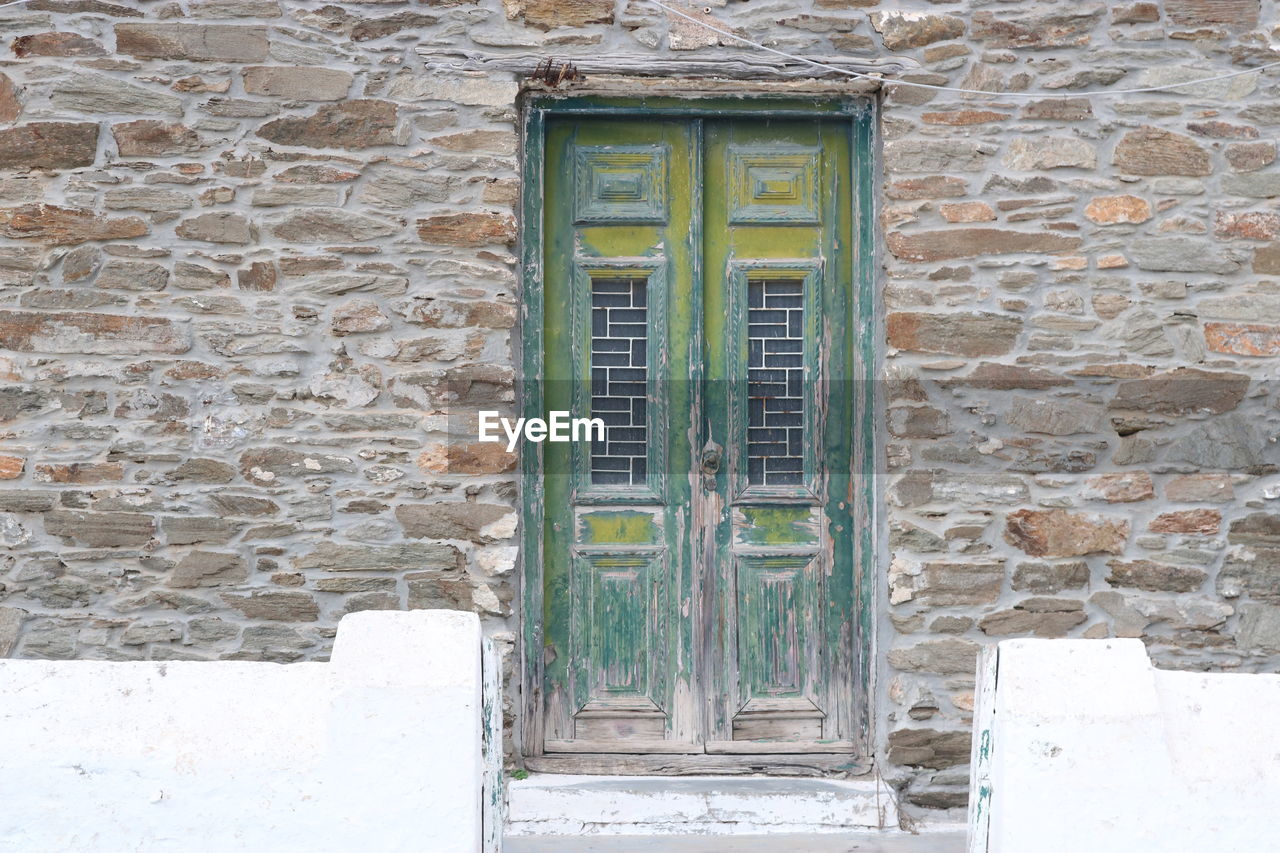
x=698 y=560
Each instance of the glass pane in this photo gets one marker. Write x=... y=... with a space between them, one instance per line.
x=775 y=382
x=619 y=380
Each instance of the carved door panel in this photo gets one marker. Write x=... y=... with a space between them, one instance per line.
x=620 y=344
x=778 y=541
x=698 y=563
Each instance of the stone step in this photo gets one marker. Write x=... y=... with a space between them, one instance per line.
x=564 y=805
x=894 y=841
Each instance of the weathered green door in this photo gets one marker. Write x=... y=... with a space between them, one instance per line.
x=698 y=564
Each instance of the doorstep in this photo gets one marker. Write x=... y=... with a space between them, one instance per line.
x=548 y=804
x=894 y=841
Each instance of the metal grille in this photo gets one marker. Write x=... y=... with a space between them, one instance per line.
x=775 y=382
x=619 y=380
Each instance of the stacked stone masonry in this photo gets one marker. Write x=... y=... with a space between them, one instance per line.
x=254 y=254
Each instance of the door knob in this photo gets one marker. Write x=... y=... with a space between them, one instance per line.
x=711 y=460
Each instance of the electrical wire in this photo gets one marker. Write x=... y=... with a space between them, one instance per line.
x=880 y=78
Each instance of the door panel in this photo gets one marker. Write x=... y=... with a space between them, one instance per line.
x=778 y=272
x=698 y=561
x=618 y=271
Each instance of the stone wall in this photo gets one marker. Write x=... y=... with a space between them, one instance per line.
x=252 y=251
x=255 y=250
x=1082 y=330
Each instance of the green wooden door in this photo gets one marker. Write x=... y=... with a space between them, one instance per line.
x=698 y=563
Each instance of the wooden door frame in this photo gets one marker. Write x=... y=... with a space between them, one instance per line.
x=860 y=112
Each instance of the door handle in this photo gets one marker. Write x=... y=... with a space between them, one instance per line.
x=711 y=459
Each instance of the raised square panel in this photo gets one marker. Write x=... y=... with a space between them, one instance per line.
x=773 y=185
x=618 y=622
x=620 y=184
x=778 y=626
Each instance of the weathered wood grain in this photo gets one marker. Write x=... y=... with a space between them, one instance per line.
x=745 y=66
x=831 y=766
x=700 y=621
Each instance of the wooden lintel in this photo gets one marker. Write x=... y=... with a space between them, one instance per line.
x=742 y=66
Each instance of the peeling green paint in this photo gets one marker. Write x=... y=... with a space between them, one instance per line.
x=621 y=241
x=612 y=556
x=777 y=525
x=618 y=568
x=618 y=527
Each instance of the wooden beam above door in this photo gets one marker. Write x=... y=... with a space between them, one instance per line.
x=741 y=66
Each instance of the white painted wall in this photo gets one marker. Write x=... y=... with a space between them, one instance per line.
x=378 y=751
x=1083 y=745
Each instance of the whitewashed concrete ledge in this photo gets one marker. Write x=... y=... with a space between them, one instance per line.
x=380 y=750
x=555 y=805
x=1083 y=745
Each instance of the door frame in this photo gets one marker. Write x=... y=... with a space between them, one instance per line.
x=860 y=112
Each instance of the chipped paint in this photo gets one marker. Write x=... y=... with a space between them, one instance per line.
x=776 y=525
x=550 y=804
x=619 y=526
x=645 y=585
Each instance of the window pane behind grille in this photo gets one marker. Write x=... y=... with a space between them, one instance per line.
x=619 y=380
x=775 y=382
